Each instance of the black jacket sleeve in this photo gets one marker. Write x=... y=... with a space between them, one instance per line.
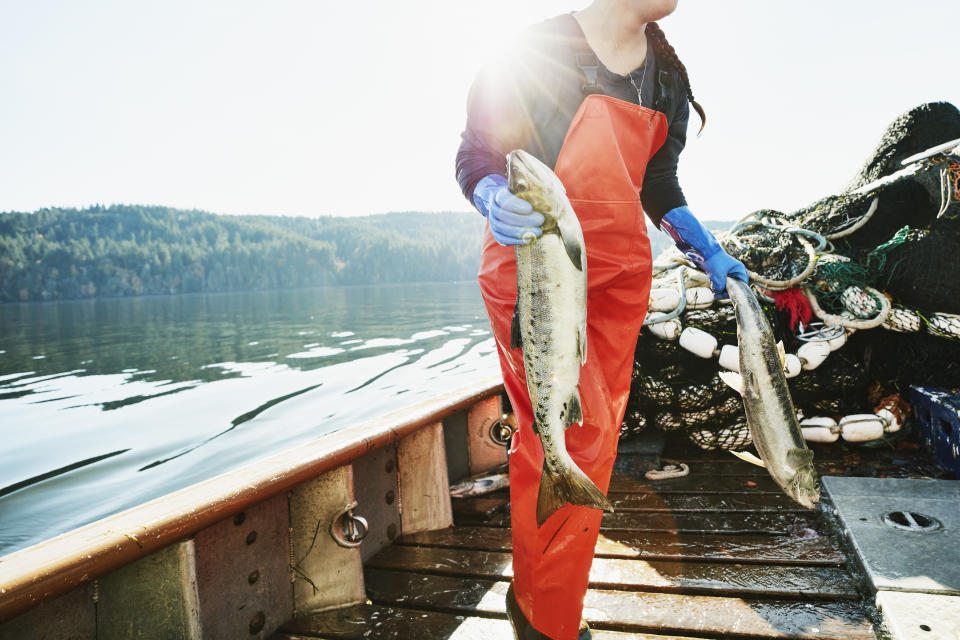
x=661 y=187
x=496 y=124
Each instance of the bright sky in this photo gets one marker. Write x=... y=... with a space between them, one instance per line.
x=316 y=107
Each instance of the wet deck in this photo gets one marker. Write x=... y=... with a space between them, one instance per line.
x=718 y=554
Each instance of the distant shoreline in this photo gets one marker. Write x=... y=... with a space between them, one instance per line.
x=134 y=251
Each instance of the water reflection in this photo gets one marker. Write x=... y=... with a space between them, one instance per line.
x=154 y=394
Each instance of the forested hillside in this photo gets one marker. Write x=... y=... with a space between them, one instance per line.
x=57 y=254
x=60 y=254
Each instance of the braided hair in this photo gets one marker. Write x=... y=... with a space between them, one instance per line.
x=667 y=53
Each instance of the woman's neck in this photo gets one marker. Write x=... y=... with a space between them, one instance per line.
x=615 y=33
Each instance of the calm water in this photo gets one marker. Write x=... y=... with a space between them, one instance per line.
x=105 y=404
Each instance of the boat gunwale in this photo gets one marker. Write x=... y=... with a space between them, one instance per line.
x=48 y=569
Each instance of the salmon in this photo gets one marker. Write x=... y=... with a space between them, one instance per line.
x=766 y=401
x=550 y=326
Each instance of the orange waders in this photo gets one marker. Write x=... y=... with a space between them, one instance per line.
x=601 y=164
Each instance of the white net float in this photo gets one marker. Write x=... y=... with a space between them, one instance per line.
x=820 y=434
x=792 y=366
x=891 y=422
x=839 y=341
x=696 y=278
x=730 y=357
x=861 y=427
x=698 y=342
x=812 y=354
x=699 y=298
x=669 y=330
x=664 y=300
x=820 y=429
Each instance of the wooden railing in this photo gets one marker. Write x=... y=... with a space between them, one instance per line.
x=62 y=564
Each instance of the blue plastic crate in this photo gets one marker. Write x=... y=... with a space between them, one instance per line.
x=938 y=412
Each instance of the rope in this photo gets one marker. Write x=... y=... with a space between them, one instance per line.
x=779 y=285
x=657 y=318
x=669 y=471
x=830 y=319
x=757 y=219
x=874 y=205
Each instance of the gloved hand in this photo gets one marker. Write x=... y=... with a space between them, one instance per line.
x=510 y=217
x=698 y=244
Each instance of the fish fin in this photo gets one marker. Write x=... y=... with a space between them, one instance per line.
x=746 y=456
x=582 y=342
x=574 y=412
x=572 y=237
x=734 y=379
x=799 y=457
x=574 y=487
x=516 y=337
x=782 y=352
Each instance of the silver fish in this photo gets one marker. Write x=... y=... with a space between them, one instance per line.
x=767 y=403
x=550 y=325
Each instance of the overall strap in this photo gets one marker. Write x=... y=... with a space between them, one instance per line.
x=584 y=57
x=589 y=65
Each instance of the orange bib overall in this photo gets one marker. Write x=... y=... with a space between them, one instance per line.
x=601 y=164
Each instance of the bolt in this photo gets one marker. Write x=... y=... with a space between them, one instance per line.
x=254 y=576
x=251 y=537
x=389 y=467
x=239 y=518
x=391 y=496
x=392 y=531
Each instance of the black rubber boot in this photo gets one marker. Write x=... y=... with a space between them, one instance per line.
x=523 y=630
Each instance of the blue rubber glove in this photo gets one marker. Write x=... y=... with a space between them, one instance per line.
x=510 y=217
x=699 y=245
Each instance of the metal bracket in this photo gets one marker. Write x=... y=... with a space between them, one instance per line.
x=348 y=530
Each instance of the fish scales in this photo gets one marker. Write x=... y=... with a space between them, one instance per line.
x=549 y=325
x=766 y=400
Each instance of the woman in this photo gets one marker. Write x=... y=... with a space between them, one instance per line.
x=602 y=98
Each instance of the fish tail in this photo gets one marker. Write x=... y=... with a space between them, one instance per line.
x=573 y=486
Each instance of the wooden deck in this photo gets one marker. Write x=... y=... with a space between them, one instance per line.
x=718 y=554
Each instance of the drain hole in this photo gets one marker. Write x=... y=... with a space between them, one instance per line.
x=925 y=627
x=911 y=521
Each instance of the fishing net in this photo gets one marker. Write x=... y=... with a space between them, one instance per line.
x=877 y=260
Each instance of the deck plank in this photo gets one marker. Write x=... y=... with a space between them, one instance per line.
x=617 y=573
x=726 y=523
x=656 y=546
x=677 y=502
x=726 y=465
x=722 y=485
x=376 y=622
x=760 y=522
x=637 y=611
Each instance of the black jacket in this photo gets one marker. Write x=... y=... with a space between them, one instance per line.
x=528 y=99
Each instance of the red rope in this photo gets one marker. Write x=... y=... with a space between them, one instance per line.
x=794 y=301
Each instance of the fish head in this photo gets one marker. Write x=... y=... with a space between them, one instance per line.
x=805 y=487
x=532 y=180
